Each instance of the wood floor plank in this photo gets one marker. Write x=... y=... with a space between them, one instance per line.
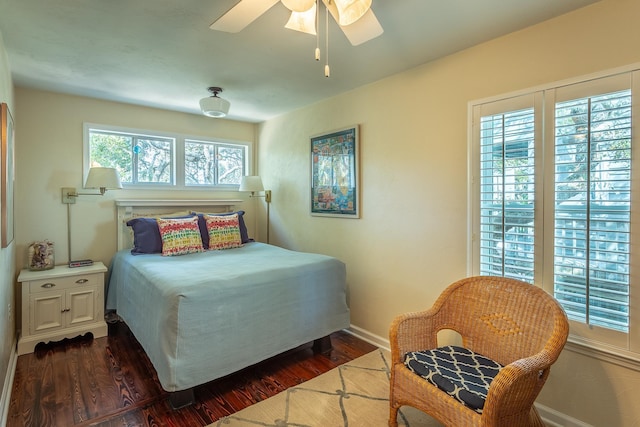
x=110 y=382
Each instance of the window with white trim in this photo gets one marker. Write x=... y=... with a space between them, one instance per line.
x=552 y=195
x=213 y=163
x=148 y=159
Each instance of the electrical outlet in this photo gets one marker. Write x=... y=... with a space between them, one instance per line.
x=9 y=312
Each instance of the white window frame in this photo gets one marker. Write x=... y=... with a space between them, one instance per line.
x=178 y=157
x=623 y=349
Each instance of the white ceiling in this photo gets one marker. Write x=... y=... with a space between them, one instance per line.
x=161 y=53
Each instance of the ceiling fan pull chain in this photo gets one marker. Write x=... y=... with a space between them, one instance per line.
x=317 y=30
x=327 y=70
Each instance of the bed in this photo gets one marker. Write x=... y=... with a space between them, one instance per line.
x=205 y=315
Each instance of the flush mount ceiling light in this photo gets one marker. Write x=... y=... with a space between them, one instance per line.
x=214 y=106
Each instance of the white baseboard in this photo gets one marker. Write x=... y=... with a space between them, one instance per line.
x=5 y=399
x=367 y=336
x=551 y=417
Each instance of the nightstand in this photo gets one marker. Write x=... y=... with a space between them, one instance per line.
x=61 y=303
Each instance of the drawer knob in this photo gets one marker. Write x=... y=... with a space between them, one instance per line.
x=65 y=310
x=48 y=285
x=82 y=280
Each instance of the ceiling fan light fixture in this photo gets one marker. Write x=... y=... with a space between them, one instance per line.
x=303 y=21
x=214 y=106
x=298 y=5
x=349 y=11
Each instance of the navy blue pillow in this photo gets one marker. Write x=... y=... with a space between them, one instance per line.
x=146 y=235
x=204 y=233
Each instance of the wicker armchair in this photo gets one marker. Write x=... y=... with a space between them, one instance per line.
x=516 y=324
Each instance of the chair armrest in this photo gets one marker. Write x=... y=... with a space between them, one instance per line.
x=516 y=387
x=412 y=332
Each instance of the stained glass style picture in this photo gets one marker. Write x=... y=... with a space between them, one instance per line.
x=334 y=174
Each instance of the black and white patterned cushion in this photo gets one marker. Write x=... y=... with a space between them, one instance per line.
x=460 y=372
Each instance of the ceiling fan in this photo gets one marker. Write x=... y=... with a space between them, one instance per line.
x=355 y=17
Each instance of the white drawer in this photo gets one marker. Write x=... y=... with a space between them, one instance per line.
x=59 y=283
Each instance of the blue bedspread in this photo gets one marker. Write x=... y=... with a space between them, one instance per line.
x=202 y=316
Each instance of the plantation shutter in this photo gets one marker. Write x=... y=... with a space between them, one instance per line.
x=592 y=203
x=506 y=223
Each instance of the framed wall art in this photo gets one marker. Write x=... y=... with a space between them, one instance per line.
x=7 y=168
x=335 y=189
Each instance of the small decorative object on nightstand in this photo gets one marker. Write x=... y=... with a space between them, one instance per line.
x=61 y=303
x=41 y=256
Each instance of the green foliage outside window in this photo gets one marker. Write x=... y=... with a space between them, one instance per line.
x=143 y=159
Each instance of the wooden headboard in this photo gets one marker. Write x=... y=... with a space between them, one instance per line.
x=133 y=208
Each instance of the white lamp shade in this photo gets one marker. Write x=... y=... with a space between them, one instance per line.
x=214 y=106
x=251 y=183
x=303 y=21
x=298 y=5
x=103 y=178
x=350 y=11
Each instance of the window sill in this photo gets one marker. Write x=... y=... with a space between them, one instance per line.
x=617 y=356
x=189 y=203
x=176 y=187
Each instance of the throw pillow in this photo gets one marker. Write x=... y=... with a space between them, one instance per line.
x=224 y=231
x=180 y=236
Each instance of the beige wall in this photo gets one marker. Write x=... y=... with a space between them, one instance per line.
x=412 y=238
x=49 y=157
x=7 y=255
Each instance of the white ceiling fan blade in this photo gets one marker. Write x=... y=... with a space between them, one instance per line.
x=241 y=15
x=364 y=29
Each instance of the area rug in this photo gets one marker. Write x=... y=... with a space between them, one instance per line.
x=355 y=394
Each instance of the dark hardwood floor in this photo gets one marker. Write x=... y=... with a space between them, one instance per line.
x=109 y=382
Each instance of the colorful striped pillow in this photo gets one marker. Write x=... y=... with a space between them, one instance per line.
x=224 y=231
x=180 y=236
